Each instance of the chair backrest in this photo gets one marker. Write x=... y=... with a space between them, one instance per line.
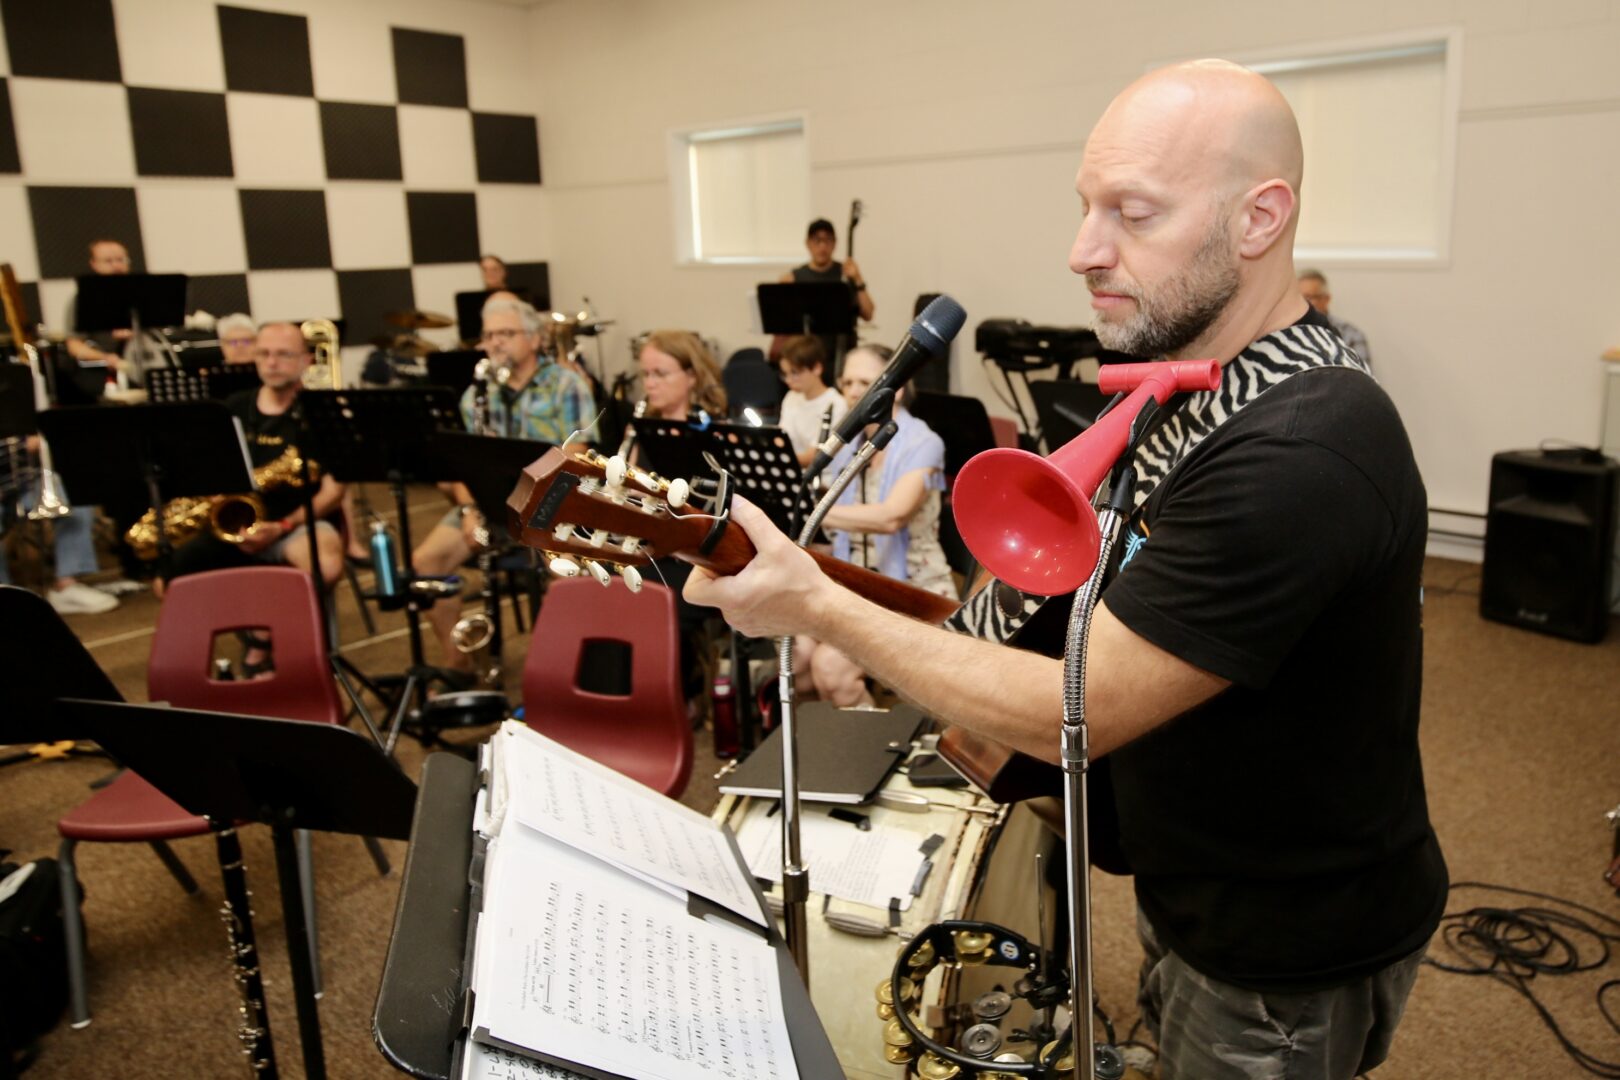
x=278 y=598
x=645 y=734
x=751 y=382
x=961 y=422
x=1006 y=431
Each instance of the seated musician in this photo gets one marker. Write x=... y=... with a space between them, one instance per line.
x=887 y=520
x=71 y=536
x=540 y=400
x=123 y=352
x=238 y=339
x=808 y=397
x=271 y=424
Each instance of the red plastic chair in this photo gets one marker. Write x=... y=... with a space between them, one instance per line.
x=1006 y=431
x=196 y=608
x=646 y=735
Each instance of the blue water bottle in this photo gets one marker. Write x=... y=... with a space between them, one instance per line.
x=384 y=560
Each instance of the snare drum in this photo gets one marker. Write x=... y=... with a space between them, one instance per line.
x=983 y=869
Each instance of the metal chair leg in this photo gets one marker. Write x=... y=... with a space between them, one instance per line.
x=306 y=885
x=73 y=932
x=353 y=579
x=176 y=868
x=378 y=856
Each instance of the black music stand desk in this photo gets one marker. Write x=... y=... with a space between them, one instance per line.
x=418 y=1022
x=169 y=451
x=129 y=301
x=288 y=774
x=823 y=308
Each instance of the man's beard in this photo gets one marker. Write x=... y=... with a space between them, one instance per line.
x=1174 y=314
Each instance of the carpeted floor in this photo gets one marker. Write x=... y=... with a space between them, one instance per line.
x=1520 y=739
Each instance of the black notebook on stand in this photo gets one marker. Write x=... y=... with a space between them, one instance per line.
x=845 y=755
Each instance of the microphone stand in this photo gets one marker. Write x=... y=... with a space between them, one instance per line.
x=795 y=875
x=1076 y=752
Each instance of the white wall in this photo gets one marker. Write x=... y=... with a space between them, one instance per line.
x=960 y=125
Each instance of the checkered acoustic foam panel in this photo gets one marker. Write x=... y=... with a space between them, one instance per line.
x=276 y=200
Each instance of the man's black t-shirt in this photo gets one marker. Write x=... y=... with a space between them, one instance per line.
x=268 y=437
x=1279 y=833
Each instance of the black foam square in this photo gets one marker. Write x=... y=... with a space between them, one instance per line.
x=507 y=148
x=429 y=68
x=67 y=219
x=534 y=278
x=286 y=230
x=444 y=226
x=266 y=52
x=10 y=162
x=30 y=303
x=64 y=39
x=367 y=296
x=361 y=141
x=218 y=294
x=179 y=132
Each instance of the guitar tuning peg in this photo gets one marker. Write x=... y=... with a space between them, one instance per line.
x=598 y=538
x=563 y=532
x=615 y=470
x=563 y=566
x=630 y=546
x=599 y=572
x=679 y=491
x=632 y=578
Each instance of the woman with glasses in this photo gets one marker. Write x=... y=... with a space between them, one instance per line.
x=887 y=520
x=679 y=377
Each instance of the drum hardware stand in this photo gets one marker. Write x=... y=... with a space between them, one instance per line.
x=795 y=874
x=1076 y=752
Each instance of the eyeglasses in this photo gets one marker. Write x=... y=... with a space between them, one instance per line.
x=660 y=376
x=237 y=342
x=501 y=335
x=279 y=354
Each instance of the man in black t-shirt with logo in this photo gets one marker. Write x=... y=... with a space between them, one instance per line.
x=271 y=424
x=1255 y=662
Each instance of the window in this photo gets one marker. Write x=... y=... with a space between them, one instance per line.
x=1379 y=127
x=742 y=193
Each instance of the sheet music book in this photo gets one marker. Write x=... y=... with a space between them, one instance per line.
x=609 y=941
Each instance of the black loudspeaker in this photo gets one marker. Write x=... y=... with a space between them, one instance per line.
x=1550 y=541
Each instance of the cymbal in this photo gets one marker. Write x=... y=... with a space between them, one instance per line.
x=418 y=320
x=404 y=344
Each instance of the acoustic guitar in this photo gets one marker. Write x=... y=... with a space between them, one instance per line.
x=590 y=514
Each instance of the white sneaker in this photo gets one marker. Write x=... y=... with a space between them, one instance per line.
x=118 y=586
x=80 y=599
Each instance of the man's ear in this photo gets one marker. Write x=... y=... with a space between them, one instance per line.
x=1268 y=211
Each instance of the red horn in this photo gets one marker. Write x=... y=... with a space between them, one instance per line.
x=1028 y=519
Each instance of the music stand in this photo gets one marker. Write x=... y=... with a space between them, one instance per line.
x=823 y=308
x=168 y=385
x=1059 y=406
x=17 y=415
x=371 y=436
x=181 y=449
x=287 y=774
x=490 y=466
x=129 y=301
x=453 y=368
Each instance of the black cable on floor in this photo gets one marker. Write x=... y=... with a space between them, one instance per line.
x=1513 y=945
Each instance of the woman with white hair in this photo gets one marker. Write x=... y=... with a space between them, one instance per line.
x=238 y=337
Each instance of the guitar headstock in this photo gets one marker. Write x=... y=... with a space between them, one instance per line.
x=592 y=514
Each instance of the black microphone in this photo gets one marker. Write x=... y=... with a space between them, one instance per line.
x=928 y=337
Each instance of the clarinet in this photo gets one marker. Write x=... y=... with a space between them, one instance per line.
x=821 y=439
x=254 y=1028
x=629 y=440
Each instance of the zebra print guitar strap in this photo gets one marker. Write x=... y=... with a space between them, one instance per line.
x=997 y=612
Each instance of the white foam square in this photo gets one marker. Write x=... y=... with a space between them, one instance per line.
x=368 y=225
x=352 y=55
x=436 y=287
x=276 y=140
x=17 y=232
x=514 y=222
x=73 y=132
x=293 y=294
x=436 y=148
x=158 y=44
x=191 y=228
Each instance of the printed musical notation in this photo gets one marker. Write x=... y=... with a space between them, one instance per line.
x=872 y=866
x=567 y=796
x=580 y=962
x=493 y=1063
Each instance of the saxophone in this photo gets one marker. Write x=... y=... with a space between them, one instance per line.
x=229 y=517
